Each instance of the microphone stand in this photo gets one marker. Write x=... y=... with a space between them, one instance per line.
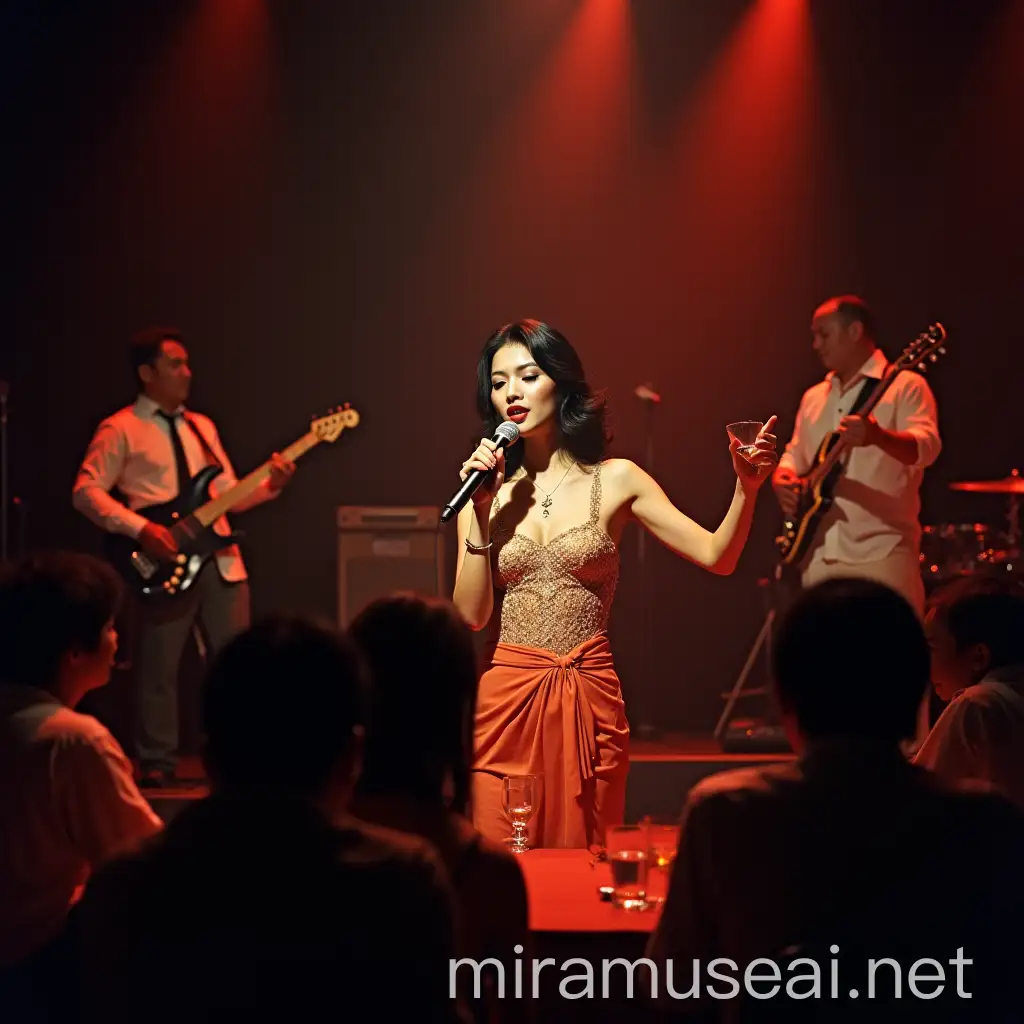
x=5 y=389
x=650 y=399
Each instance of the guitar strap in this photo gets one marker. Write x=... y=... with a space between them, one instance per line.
x=206 y=446
x=869 y=385
x=866 y=389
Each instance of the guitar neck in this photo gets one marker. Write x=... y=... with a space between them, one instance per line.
x=212 y=511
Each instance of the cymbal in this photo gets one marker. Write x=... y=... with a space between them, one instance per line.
x=1012 y=484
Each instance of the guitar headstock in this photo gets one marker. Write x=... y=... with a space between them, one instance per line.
x=923 y=350
x=328 y=428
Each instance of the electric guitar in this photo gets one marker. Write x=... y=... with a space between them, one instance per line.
x=191 y=515
x=817 y=489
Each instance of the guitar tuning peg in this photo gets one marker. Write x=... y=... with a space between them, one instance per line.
x=942 y=350
x=934 y=358
x=921 y=367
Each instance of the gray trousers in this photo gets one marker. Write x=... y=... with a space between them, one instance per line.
x=222 y=610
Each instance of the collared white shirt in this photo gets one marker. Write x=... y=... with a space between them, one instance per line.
x=877 y=500
x=980 y=735
x=68 y=803
x=132 y=451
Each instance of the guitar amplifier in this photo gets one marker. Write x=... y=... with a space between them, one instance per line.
x=383 y=549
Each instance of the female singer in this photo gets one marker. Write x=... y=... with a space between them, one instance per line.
x=542 y=533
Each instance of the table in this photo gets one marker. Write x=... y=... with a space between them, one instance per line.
x=561 y=887
x=568 y=921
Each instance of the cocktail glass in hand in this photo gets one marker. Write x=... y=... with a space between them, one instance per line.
x=745 y=431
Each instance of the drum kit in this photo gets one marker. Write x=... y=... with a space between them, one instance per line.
x=950 y=550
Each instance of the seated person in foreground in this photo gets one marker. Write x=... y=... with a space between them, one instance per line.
x=976 y=630
x=850 y=845
x=416 y=773
x=274 y=902
x=68 y=802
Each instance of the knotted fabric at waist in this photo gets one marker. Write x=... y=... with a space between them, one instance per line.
x=547 y=700
x=593 y=655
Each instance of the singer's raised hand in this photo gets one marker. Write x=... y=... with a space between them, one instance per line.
x=757 y=465
x=488 y=456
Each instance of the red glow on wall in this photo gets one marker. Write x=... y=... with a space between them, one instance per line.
x=216 y=81
x=987 y=136
x=192 y=142
x=567 y=135
x=746 y=153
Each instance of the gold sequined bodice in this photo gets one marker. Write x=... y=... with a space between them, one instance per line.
x=556 y=595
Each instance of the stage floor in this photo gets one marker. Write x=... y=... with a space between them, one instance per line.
x=686 y=748
x=661 y=772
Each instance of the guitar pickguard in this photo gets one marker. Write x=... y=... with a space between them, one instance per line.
x=143 y=565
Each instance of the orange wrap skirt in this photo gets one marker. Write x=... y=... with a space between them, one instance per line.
x=562 y=719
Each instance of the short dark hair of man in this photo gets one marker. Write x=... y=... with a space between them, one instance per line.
x=52 y=603
x=851 y=661
x=283 y=702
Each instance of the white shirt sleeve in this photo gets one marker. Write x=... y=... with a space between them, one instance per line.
x=948 y=749
x=797 y=454
x=104 y=812
x=98 y=474
x=917 y=414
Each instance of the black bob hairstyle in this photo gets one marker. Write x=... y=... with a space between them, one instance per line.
x=582 y=429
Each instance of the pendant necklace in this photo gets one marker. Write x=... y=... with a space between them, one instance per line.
x=546 y=503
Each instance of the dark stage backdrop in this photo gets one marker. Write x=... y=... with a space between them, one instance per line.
x=339 y=201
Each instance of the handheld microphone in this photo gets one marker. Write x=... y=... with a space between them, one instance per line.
x=505 y=434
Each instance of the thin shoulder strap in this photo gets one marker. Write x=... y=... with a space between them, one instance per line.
x=595 y=495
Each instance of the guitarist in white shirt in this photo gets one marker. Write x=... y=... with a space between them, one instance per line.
x=873 y=529
x=133 y=452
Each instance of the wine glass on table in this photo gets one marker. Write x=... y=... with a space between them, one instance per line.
x=519 y=796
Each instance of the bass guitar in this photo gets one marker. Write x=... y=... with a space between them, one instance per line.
x=191 y=515
x=816 y=493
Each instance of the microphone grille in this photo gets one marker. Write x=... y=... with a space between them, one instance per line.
x=507 y=431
